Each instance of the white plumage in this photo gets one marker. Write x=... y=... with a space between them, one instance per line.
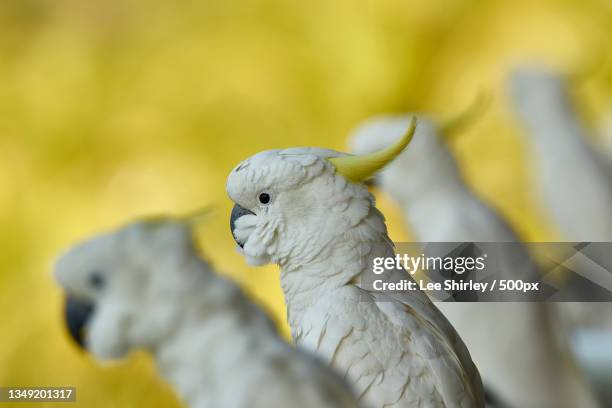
x=513 y=344
x=573 y=177
x=149 y=289
x=324 y=231
x=574 y=181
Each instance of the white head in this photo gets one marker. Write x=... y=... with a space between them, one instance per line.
x=290 y=204
x=120 y=286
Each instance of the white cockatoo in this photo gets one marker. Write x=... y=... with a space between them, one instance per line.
x=521 y=361
x=144 y=286
x=307 y=210
x=572 y=177
x=575 y=185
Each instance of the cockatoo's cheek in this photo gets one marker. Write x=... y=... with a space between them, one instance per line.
x=243 y=228
x=242 y=235
x=255 y=252
x=105 y=349
x=106 y=335
x=253 y=238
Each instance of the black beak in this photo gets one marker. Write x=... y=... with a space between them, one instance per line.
x=238 y=212
x=77 y=314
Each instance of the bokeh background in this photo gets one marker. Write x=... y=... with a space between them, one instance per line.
x=113 y=109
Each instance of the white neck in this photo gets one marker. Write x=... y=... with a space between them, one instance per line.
x=336 y=265
x=192 y=357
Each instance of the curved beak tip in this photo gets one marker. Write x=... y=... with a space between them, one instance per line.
x=77 y=314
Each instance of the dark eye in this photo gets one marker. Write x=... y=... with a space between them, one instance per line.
x=264 y=198
x=96 y=280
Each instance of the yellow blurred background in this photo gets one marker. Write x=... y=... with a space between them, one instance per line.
x=112 y=109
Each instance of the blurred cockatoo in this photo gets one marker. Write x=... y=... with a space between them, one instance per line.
x=573 y=179
x=144 y=286
x=307 y=210
x=513 y=344
x=575 y=184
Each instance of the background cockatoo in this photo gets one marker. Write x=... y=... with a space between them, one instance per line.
x=145 y=286
x=514 y=345
x=307 y=210
x=575 y=183
x=573 y=178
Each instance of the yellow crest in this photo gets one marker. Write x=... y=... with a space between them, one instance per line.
x=450 y=127
x=360 y=168
x=192 y=219
x=196 y=218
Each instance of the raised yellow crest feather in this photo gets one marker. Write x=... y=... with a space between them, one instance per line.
x=198 y=217
x=192 y=219
x=361 y=168
x=451 y=127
